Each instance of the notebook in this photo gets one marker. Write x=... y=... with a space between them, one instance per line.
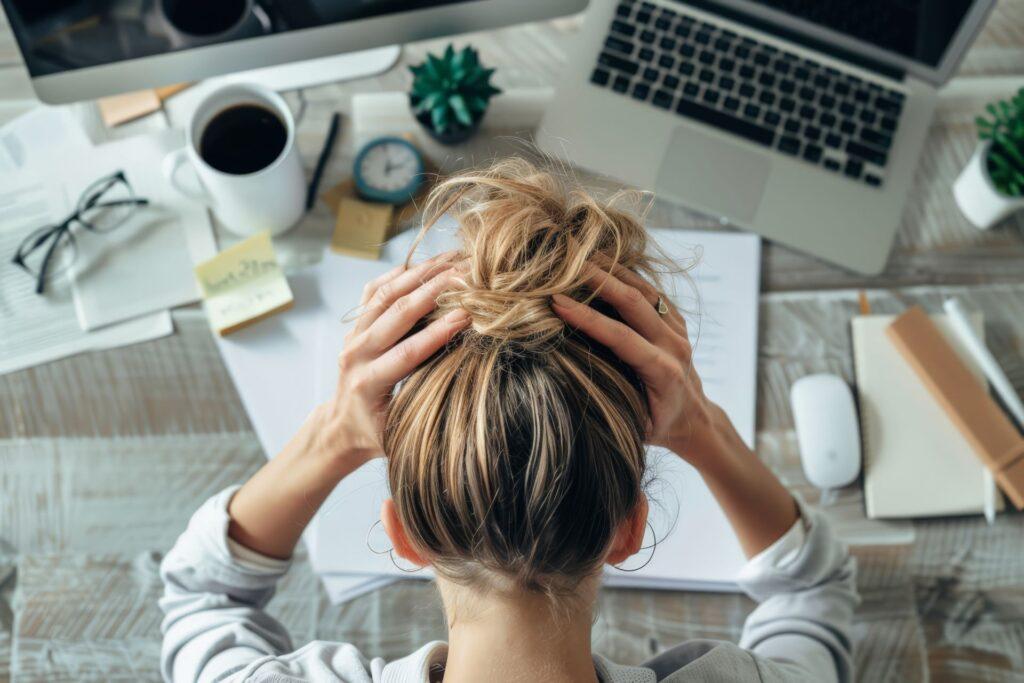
x=916 y=462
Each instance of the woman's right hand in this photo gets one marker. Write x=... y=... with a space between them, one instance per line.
x=657 y=348
x=377 y=354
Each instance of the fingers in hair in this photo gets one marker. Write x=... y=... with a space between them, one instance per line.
x=631 y=303
x=406 y=311
x=623 y=340
x=674 y=318
x=400 y=360
x=380 y=293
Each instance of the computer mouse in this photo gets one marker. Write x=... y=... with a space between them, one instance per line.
x=827 y=430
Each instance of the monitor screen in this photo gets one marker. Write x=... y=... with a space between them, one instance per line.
x=63 y=35
x=919 y=30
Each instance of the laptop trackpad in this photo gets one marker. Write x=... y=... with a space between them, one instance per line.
x=718 y=176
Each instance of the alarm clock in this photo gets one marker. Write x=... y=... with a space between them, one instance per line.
x=388 y=170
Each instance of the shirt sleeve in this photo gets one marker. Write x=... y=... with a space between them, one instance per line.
x=215 y=627
x=805 y=584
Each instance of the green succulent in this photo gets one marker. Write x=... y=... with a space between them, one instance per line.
x=1005 y=128
x=452 y=90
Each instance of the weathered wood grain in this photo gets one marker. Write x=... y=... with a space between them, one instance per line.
x=132 y=494
x=104 y=456
x=84 y=617
x=999 y=49
x=172 y=385
x=8 y=579
x=953 y=601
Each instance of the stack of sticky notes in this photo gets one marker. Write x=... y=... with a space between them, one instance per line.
x=361 y=228
x=243 y=285
x=118 y=109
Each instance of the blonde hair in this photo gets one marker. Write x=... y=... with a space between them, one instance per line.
x=515 y=453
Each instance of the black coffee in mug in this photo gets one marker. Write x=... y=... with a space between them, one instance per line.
x=244 y=138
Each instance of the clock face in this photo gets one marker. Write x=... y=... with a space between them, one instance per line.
x=390 y=167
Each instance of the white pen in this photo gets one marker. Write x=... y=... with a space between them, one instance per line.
x=996 y=377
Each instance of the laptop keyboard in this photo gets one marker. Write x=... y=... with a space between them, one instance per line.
x=757 y=91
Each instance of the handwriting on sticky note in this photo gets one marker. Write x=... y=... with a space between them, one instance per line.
x=243 y=284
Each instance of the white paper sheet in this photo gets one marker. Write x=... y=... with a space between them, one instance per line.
x=696 y=545
x=40 y=142
x=342 y=279
x=274 y=366
x=146 y=264
x=36 y=329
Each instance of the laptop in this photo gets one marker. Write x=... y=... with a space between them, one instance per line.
x=800 y=120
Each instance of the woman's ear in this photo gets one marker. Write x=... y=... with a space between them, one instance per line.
x=629 y=537
x=395 y=530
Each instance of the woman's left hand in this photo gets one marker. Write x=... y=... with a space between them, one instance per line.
x=655 y=344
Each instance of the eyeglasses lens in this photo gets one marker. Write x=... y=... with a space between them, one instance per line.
x=107 y=205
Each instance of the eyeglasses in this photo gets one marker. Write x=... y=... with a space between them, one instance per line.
x=104 y=206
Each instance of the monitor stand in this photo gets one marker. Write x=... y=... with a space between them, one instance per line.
x=312 y=72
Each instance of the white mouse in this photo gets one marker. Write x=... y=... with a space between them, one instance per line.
x=827 y=430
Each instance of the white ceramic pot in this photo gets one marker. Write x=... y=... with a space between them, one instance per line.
x=977 y=196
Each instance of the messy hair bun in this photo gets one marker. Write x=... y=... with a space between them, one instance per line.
x=525 y=236
x=516 y=452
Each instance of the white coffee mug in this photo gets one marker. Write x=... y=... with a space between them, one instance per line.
x=272 y=198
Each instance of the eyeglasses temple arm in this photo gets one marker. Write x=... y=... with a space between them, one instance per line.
x=41 y=281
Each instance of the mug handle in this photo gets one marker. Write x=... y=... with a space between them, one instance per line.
x=172 y=163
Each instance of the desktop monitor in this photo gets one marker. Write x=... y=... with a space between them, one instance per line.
x=83 y=49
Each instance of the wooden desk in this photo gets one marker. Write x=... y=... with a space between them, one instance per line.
x=106 y=455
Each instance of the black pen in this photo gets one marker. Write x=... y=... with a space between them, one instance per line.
x=325 y=153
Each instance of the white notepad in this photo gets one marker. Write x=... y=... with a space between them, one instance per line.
x=146 y=264
x=916 y=462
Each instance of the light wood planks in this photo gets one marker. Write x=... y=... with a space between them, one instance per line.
x=954 y=599
x=172 y=385
x=103 y=457
x=999 y=49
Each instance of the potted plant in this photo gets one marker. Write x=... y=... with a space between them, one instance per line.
x=450 y=94
x=991 y=186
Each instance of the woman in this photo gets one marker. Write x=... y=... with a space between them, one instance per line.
x=511 y=386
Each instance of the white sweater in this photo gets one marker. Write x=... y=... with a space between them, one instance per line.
x=215 y=628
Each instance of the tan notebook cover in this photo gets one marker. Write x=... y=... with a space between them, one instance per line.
x=916 y=461
x=966 y=400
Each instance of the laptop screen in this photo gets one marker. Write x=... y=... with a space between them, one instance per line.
x=919 y=30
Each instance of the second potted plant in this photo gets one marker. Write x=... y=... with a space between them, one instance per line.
x=991 y=186
x=450 y=94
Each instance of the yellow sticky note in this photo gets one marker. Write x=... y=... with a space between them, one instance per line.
x=361 y=228
x=243 y=284
x=333 y=196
